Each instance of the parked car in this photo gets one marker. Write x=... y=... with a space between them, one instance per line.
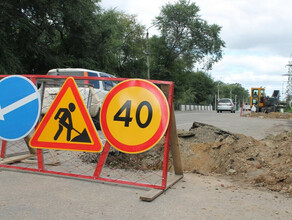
x=225 y=105
x=93 y=92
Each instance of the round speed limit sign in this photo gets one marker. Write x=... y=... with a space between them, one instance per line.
x=134 y=116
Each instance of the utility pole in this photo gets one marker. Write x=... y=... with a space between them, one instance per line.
x=231 y=93
x=148 y=55
x=218 y=91
x=215 y=103
x=148 y=52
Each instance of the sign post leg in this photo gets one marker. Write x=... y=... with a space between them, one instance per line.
x=174 y=147
x=101 y=160
x=3 y=149
x=40 y=159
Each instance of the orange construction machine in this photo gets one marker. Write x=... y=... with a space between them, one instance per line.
x=257 y=98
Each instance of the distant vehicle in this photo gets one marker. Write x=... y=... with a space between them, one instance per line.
x=93 y=92
x=225 y=104
x=263 y=103
x=257 y=98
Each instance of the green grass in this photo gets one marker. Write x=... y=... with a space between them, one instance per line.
x=288 y=109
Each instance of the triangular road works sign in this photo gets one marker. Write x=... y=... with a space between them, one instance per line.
x=67 y=124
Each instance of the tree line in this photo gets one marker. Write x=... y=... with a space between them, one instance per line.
x=38 y=35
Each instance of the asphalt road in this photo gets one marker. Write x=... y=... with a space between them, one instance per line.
x=31 y=196
x=255 y=127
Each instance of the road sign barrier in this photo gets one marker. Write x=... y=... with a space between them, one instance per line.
x=134 y=107
x=67 y=125
x=19 y=107
x=134 y=112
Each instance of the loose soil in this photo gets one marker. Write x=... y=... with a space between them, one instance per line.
x=208 y=150
x=272 y=115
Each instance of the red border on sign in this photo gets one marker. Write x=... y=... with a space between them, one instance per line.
x=162 y=126
x=95 y=146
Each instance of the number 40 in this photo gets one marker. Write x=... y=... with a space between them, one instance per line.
x=127 y=119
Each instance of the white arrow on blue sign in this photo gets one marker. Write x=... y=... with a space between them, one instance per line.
x=19 y=107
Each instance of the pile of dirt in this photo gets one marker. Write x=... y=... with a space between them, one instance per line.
x=268 y=163
x=208 y=150
x=272 y=115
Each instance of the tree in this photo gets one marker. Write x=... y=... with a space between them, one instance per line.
x=188 y=37
x=233 y=91
x=41 y=34
x=122 y=44
x=198 y=88
x=186 y=40
x=38 y=35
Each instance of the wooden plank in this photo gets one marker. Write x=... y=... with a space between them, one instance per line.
x=174 y=147
x=55 y=159
x=154 y=193
x=28 y=161
x=15 y=159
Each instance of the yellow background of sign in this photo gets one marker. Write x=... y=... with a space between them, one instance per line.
x=52 y=125
x=133 y=135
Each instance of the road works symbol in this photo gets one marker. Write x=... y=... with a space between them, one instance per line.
x=66 y=116
x=134 y=116
x=67 y=125
x=19 y=107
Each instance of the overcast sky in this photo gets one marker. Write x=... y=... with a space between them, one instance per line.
x=258 y=37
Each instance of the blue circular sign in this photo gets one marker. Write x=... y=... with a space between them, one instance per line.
x=19 y=107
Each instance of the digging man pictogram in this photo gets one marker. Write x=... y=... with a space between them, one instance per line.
x=66 y=121
x=63 y=121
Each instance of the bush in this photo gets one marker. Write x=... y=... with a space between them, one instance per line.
x=288 y=109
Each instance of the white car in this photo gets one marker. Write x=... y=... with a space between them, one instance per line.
x=93 y=92
x=225 y=105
